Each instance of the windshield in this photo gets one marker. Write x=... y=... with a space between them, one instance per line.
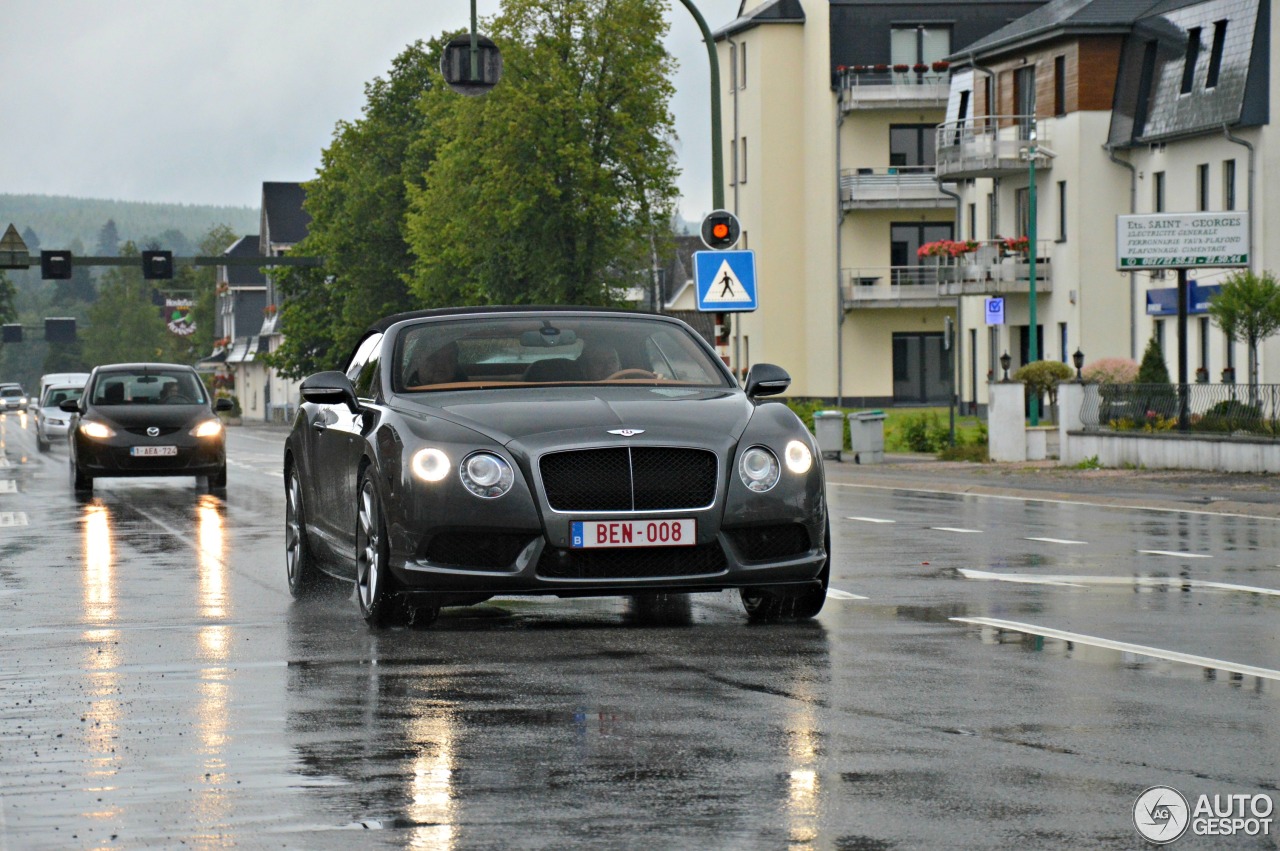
x=158 y=387
x=551 y=349
x=55 y=396
x=11 y=391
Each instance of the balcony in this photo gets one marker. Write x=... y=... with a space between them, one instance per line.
x=990 y=146
x=891 y=286
x=892 y=188
x=869 y=88
x=993 y=269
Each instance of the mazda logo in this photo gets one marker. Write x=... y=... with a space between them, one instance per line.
x=152 y=431
x=626 y=432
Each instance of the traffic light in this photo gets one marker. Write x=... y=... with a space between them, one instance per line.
x=60 y=329
x=55 y=265
x=12 y=334
x=720 y=230
x=157 y=265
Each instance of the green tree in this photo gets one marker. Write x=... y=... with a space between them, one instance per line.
x=8 y=312
x=202 y=281
x=76 y=289
x=1248 y=308
x=124 y=324
x=357 y=205
x=1152 y=370
x=550 y=188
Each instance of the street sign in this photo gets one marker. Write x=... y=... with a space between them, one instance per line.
x=995 y=311
x=1182 y=240
x=725 y=281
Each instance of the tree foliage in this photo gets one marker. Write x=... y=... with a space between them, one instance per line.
x=357 y=206
x=124 y=324
x=1248 y=308
x=551 y=188
x=1042 y=378
x=8 y=311
x=1153 y=370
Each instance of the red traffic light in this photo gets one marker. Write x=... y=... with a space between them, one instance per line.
x=720 y=230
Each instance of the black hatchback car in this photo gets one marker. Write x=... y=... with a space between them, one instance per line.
x=146 y=419
x=465 y=453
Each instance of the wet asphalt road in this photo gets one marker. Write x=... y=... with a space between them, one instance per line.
x=159 y=688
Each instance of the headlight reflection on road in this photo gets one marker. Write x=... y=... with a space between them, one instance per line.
x=432 y=788
x=804 y=787
x=99 y=573
x=210 y=548
x=101 y=727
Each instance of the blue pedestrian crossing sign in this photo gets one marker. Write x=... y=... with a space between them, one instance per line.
x=725 y=281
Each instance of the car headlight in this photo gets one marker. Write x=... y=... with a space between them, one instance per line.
x=208 y=428
x=430 y=464
x=487 y=475
x=759 y=469
x=54 y=422
x=799 y=458
x=95 y=430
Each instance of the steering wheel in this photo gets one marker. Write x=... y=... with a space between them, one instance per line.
x=178 y=399
x=632 y=372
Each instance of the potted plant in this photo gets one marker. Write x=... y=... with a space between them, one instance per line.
x=881 y=68
x=940 y=66
x=902 y=68
x=920 y=68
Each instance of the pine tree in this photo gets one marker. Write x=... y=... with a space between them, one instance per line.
x=1153 y=369
x=108 y=240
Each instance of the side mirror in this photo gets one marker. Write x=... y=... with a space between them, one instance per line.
x=223 y=405
x=765 y=379
x=329 y=388
x=69 y=406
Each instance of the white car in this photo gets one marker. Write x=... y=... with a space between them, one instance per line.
x=51 y=421
x=12 y=398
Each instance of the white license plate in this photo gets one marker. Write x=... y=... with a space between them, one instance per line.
x=675 y=532
x=153 y=451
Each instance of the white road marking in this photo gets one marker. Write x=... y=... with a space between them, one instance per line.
x=871 y=519
x=13 y=518
x=954 y=529
x=1050 y=501
x=8 y=486
x=1174 y=554
x=1125 y=647
x=837 y=594
x=1055 y=540
x=1155 y=581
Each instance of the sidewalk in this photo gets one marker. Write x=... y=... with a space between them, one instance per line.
x=1192 y=490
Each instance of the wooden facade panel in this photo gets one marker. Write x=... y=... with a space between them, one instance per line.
x=1091 y=89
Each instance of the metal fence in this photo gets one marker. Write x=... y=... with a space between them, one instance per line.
x=1227 y=409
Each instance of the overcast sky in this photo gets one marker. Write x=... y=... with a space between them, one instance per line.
x=200 y=101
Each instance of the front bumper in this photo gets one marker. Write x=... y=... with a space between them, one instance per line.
x=112 y=458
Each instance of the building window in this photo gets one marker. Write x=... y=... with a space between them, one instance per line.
x=912 y=145
x=1059 y=85
x=1157 y=200
x=742 y=76
x=1229 y=184
x=1024 y=96
x=733 y=67
x=973 y=222
x=1022 y=201
x=733 y=164
x=743 y=161
x=1215 y=54
x=1062 y=211
x=1231 y=352
x=993 y=226
x=1202 y=187
x=1062 y=341
x=1204 y=343
x=1189 y=62
x=1160 y=335
x=1144 y=88
x=918 y=43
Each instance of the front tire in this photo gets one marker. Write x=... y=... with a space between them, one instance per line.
x=769 y=604
x=303 y=574
x=380 y=604
x=217 y=483
x=80 y=483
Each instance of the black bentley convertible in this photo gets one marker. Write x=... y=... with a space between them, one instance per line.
x=471 y=452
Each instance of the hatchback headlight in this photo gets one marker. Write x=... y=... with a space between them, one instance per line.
x=208 y=428
x=487 y=475
x=759 y=469
x=430 y=464
x=98 y=431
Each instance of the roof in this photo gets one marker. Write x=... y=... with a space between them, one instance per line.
x=387 y=321
x=245 y=246
x=1060 y=18
x=768 y=12
x=141 y=366
x=284 y=221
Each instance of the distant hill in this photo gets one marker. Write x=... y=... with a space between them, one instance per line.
x=58 y=220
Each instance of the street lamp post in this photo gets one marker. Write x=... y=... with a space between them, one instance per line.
x=717 y=154
x=1033 y=353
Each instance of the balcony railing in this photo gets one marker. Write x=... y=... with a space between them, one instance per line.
x=990 y=146
x=894 y=187
x=890 y=286
x=993 y=269
x=1239 y=410
x=871 y=89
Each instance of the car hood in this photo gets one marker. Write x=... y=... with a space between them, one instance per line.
x=132 y=416
x=537 y=419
